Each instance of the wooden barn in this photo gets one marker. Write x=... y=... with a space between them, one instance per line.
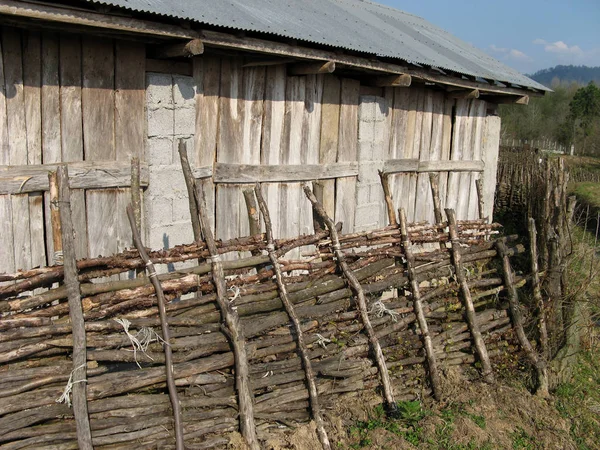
x=278 y=92
x=342 y=111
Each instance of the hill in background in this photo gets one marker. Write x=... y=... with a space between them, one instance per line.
x=567 y=74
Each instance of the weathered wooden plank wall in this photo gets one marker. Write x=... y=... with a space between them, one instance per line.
x=69 y=99
x=64 y=99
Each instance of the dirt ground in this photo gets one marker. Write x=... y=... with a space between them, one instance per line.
x=473 y=415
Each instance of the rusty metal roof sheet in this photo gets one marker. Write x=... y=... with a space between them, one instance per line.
x=348 y=24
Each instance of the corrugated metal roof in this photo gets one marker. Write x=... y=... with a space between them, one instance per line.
x=349 y=24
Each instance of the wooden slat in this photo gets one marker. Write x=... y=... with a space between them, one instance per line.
x=423 y=201
x=446 y=145
x=229 y=146
x=7 y=255
x=71 y=120
x=465 y=143
x=82 y=174
x=398 y=133
x=17 y=142
x=253 y=98
x=330 y=123
x=291 y=153
x=290 y=173
x=207 y=76
x=435 y=153
x=130 y=103
x=311 y=132
x=491 y=146
x=32 y=83
x=415 y=144
x=345 y=188
x=414 y=165
x=98 y=107
x=51 y=136
x=273 y=124
x=456 y=153
x=477 y=136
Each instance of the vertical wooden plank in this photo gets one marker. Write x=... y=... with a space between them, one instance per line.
x=446 y=145
x=17 y=142
x=456 y=152
x=130 y=99
x=345 y=188
x=253 y=94
x=415 y=145
x=311 y=130
x=330 y=125
x=398 y=136
x=274 y=110
x=423 y=199
x=479 y=107
x=291 y=153
x=7 y=255
x=491 y=146
x=229 y=148
x=71 y=121
x=207 y=77
x=465 y=142
x=98 y=110
x=51 y=137
x=32 y=83
x=435 y=153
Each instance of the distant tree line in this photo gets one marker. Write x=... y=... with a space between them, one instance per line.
x=578 y=74
x=570 y=116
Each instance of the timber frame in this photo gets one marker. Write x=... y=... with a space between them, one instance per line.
x=314 y=60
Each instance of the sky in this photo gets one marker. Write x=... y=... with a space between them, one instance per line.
x=528 y=35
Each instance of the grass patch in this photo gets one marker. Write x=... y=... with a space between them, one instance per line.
x=587 y=192
x=579 y=401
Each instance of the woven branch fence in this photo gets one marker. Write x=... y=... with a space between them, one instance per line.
x=246 y=339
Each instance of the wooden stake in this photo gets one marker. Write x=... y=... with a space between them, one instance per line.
x=289 y=307
x=190 y=184
x=253 y=216
x=435 y=193
x=517 y=319
x=79 y=373
x=385 y=184
x=537 y=290
x=482 y=353
x=361 y=300
x=136 y=199
x=481 y=203
x=160 y=297
x=234 y=332
x=55 y=220
x=418 y=307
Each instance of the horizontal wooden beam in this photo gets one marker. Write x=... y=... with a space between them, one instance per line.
x=414 y=165
x=225 y=40
x=507 y=99
x=391 y=81
x=82 y=175
x=464 y=94
x=269 y=62
x=311 y=68
x=170 y=67
x=246 y=173
x=186 y=49
x=80 y=17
